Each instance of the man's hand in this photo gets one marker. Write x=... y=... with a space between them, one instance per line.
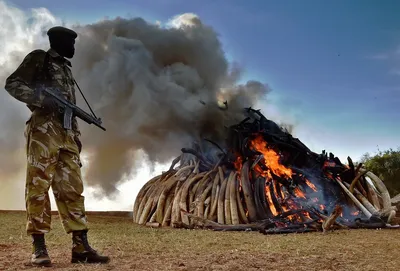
x=49 y=104
x=79 y=143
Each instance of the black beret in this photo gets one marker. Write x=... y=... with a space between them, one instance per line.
x=62 y=31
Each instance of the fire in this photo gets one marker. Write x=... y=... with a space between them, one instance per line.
x=238 y=163
x=311 y=185
x=307 y=214
x=275 y=188
x=267 y=165
x=269 y=198
x=282 y=194
x=355 y=213
x=299 y=193
x=290 y=217
x=271 y=158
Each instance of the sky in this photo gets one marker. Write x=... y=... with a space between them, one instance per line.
x=333 y=66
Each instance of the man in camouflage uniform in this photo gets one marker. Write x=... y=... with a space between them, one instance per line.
x=53 y=153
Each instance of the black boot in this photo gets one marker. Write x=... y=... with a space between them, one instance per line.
x=40 y=257
x=82 y=252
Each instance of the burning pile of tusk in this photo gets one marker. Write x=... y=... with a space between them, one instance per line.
x=265 y=180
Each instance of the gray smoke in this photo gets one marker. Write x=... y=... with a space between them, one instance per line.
x=19 y=34
x=157 y=89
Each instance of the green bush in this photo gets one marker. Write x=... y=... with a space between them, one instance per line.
x=386 y=165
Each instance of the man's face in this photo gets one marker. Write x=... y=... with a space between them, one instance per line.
x=68 y=48
x=64 y=45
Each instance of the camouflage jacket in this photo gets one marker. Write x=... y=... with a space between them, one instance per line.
x=32 y=71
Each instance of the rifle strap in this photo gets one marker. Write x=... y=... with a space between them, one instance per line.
x=84 y=98
x=46 y=76
x=41 y=73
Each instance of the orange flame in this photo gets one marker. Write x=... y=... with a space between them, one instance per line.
x=269 y=198
x=271 y=158
x=307 y=214
x=282 y=194
x=264 y=173
x=275 y=188
x=311 y=185
x=299 y=193
x=355 y=213
x=290 y=217
x=238 y=163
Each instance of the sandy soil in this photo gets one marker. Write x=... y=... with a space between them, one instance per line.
x=133 y=247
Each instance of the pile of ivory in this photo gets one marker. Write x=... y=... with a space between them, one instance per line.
x=168 y=198
x=183 y=196
x=259 y=177
x=368 y=192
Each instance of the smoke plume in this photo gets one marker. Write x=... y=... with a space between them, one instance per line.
x=19 y=34
x=156 y=87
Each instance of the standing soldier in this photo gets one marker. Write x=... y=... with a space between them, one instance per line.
x=53 y=153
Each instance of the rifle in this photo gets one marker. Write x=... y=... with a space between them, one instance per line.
x=70 y=110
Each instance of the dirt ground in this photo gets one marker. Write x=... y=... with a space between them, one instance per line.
x=134 y=247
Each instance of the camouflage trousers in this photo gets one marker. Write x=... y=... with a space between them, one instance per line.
x=52 y=161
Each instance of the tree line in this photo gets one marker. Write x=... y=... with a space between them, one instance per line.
x=386 y=165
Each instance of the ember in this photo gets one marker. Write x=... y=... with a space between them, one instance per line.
x=263 y=179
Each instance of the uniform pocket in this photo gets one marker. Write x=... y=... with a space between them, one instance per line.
x=38 y=121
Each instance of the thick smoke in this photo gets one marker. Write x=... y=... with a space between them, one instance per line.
x=19 y=35
x=157 y=89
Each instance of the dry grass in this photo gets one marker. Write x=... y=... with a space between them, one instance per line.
x=134 y=247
